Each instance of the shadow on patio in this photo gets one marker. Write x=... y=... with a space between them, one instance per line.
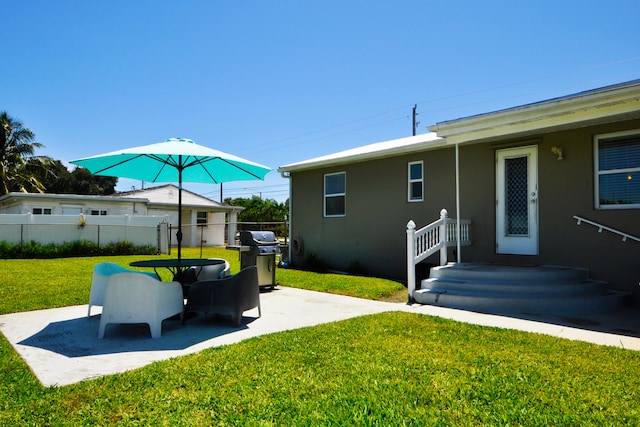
x=79 y=337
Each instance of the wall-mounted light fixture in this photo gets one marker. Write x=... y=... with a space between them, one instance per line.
x=557 y=151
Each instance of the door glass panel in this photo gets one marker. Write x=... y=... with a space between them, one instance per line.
x=516 y=196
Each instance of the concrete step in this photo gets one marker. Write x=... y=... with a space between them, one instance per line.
x=510 y=289
x=523 y=274
x=517 y=288
x=499 y=303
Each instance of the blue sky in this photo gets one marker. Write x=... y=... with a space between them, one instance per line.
x=279 y=82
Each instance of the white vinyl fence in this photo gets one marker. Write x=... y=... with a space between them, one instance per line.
x=102 y=230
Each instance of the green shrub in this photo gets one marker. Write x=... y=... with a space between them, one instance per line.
x=9 y=250
x=35 y=250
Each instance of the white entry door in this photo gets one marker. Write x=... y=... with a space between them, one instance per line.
x=517 y=201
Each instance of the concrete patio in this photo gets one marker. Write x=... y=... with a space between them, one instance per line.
x=61 y=345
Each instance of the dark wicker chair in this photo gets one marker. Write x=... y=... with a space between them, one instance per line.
x=208 y=272
x=230 y=296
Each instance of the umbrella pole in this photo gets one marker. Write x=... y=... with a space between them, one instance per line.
x=179 y=233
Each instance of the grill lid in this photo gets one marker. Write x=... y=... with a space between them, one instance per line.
x=258 y=238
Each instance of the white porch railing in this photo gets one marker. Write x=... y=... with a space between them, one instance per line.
x=601 y=227
x=437 y=236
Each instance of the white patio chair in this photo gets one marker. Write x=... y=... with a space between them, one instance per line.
x=213 y=272
x=101 y=274
x=207 y=272
x=138 y=298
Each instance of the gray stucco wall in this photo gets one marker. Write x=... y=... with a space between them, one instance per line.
x=565 y=189
x=373 y=231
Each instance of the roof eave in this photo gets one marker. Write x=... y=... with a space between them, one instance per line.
x=607 y=104
x=70 y=197
x=217 y=207
x=375 y=151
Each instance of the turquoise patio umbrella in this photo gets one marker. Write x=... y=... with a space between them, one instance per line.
x=174 y=160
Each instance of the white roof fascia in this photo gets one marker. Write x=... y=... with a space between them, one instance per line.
x=157 y=198
x=378 y=150
x=70 y=197
x=208 y=204
x=214 y=208
x=596 y=106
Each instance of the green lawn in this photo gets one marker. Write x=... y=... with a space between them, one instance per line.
x=386 y=369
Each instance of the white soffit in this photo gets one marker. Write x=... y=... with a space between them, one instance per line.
x=378 y=150
x=608 y=104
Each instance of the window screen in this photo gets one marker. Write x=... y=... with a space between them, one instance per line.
x=201 y=218
x=335 y=194
x=41 y=211
x=416 y=182
x=618 y=170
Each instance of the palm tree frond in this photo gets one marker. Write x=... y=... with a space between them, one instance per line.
x=17 y=144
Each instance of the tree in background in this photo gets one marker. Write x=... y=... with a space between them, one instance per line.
x=58 y=179
x=22 y=171
x=84 y=182
x=261 y=210
x=17 y=146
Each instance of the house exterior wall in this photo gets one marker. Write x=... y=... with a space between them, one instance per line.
x=134 y=207
x=565 y=188
x=58 y=207
x=163 y=200
x=373 y=231
x=213 y=233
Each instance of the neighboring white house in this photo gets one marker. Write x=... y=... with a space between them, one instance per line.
x=202 y=218
x=56 y=218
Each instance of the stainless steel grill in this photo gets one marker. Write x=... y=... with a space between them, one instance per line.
x=259 y=248
x=264 y=241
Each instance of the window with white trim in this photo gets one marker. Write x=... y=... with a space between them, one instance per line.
x=335 y=194
x=41 y=211
x=617 y=167
x=98 y=212
x=201 y=218
x=415 y=186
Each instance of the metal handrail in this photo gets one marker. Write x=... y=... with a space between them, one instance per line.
x=601 y=227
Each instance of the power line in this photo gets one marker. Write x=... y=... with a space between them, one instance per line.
x=261 y=189
x=328 y=128
x=264 y=146
x=395 y=119
x=256 y=190
x=236 y=192
x=537 y=79
x=430 y=101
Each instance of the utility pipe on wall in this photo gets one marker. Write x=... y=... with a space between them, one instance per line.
x=458 y=202
x=287 y=175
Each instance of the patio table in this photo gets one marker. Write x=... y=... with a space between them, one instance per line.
x=175 y=266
